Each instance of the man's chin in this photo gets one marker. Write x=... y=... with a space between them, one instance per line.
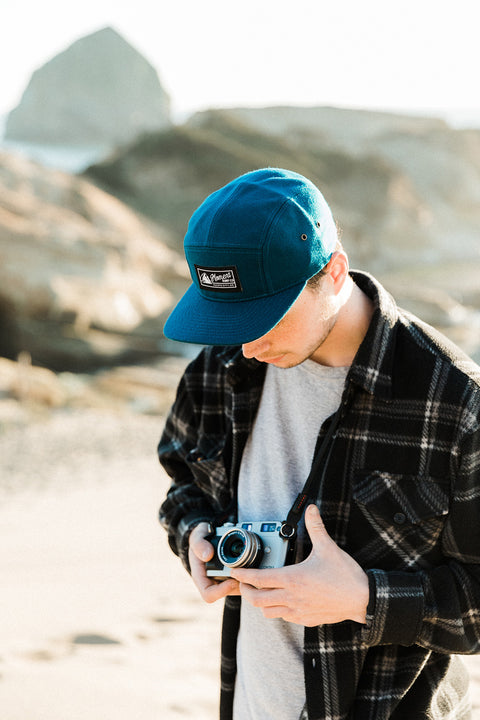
x=284 y=361
x=278 y=359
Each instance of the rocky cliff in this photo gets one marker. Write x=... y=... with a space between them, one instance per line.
x=441 y=165
x=84 y=282
x=404 y=190
x=99 y=92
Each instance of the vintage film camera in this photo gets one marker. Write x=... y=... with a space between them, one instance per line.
x=249 y=545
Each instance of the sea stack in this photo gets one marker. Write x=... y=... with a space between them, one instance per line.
x=100 y=91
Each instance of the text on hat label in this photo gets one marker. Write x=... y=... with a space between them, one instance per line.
x=219 y=279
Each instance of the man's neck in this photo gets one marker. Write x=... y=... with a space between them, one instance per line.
x=351 y=325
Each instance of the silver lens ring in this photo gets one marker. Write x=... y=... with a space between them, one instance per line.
x=239 y=548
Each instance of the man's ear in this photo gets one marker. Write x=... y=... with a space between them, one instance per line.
x=338 y=268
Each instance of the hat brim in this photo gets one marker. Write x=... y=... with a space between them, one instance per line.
x=195 y=319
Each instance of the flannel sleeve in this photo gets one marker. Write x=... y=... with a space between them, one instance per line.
x=186 y=504
x=437 y=608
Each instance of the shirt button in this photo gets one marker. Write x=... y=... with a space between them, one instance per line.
x=399 y=518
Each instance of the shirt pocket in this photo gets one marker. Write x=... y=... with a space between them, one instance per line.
x=206 y=464
x=401 y=516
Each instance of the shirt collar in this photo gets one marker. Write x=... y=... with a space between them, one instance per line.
x=372 y=367
x=237 y=366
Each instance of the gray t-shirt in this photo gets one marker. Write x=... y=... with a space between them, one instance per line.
x=275 y=464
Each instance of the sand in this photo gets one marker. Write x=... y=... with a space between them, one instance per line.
x=98 y=620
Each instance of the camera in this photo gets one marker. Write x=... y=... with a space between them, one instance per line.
x=248 y=545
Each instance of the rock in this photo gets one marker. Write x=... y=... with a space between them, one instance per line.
x=149 y=390
x=100 y=91
x=391 y=203
x=167 y=175
x=404 y=190
x=344 y=128
x=84 y=282
x=28 y=392
x=33 y=385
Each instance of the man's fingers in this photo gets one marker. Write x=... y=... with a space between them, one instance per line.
x=262 y=598
x=214 y=591
x=203 y=550
x=277 y=611
x=259 y=579
x=209 y=589
x=199 y=545
x=200 y=551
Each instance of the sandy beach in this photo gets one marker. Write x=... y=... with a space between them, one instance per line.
x=98 y=619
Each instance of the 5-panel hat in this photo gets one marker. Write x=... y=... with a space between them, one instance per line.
x=251 y=247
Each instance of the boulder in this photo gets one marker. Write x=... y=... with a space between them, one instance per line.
x=84 y=281
x=100 y=91
x=404 y=190
x=167 y=175
x=34 y=385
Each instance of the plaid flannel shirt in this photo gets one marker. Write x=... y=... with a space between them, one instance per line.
x=401 y=494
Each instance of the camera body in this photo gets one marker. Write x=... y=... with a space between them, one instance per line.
x=248 y=545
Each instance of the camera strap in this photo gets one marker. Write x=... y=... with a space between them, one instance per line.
x=315 y=479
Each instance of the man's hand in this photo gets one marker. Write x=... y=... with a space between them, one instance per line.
x=200 y=551
x=328 y=587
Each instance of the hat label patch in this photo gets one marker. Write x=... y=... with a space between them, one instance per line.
x=219 y=279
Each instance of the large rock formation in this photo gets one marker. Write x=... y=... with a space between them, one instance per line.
x=99 y=92
x=405 y=191
x=84 y=282
x=441 y=165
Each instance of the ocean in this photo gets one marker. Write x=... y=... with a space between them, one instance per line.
x=72 y=159
x=76 y=159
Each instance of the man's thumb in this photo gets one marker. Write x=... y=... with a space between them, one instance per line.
x=314 y=524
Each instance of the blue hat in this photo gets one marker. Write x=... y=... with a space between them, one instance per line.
x=251 y=248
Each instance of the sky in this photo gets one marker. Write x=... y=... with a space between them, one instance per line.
x=413 y=56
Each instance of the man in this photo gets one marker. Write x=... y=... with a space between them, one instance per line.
x=306 y=362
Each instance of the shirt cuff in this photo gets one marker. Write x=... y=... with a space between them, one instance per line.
x=395 y=609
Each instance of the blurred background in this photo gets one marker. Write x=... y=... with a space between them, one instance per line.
x=116 y=120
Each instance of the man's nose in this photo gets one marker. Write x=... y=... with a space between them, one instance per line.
x=255 y=348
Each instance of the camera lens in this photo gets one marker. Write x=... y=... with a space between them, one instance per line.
x=240 y=548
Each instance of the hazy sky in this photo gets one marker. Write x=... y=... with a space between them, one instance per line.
x=410 y=55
